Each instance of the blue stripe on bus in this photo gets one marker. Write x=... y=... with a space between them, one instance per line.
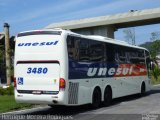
x=79 y=70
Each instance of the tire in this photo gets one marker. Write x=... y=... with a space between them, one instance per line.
x=143 y=89
x=107 y=96
x=96 y=98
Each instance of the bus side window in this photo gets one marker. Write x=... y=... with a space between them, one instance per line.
x=84 y=50
x=110 y=53
x=134 y=56
x=141 y=56
x=96 y=51
x=72 y=45
x=120 y=56
x=127 y=54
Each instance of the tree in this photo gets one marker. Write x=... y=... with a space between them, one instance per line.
x=155 y=48
x=129 y=35
x=156 y=72
x=155 y=36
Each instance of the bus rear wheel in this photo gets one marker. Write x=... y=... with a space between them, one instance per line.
x=96 y=98
x=143 y=89
x=107 y=96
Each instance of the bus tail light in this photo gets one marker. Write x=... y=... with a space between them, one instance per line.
x=62 y=84
x=15 y=83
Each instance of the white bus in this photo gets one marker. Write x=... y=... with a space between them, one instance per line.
x=59 y=67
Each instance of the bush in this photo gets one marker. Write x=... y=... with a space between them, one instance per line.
x=7 y=91
x=10 y=90
x=2 y=91
x=156 y=72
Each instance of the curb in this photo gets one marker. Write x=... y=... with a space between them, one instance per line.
x=156 y=85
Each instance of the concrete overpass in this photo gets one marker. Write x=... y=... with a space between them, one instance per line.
x=106 y=25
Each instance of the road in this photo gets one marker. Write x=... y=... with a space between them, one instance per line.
x=125 y=108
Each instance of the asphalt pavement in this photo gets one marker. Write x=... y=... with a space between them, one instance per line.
x=131 y=107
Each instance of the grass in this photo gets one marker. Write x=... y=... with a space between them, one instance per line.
x=8 y=103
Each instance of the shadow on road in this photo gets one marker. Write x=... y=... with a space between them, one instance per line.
x=73 y=110
x=63 y=110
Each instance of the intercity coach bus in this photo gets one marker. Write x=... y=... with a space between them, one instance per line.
x=59 y=67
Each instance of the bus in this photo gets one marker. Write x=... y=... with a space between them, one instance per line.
x=60 y=67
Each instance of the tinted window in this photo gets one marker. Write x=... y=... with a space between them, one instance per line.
x=110 y=53
x=96 y=51
x=120 y=56
x=84 y=50
x=72 y=44
x=127 y=54
x=141 y=56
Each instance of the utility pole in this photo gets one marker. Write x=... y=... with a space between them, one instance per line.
x=7 y=53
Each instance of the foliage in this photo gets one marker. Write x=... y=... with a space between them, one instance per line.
x=156 y=72
x=155 y=48
x=2 y=91
x=7 y=91
x=154 y=81
x=2 y=61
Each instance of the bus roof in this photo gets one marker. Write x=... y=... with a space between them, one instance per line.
x=59 y=31
x=105 y=39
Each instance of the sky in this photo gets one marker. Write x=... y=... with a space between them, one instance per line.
x=23 y=15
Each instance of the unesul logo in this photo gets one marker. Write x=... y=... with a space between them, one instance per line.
x=122 y=70
x=110 y=71
x=37 y=44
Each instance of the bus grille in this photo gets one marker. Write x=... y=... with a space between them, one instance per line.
x=73 y=93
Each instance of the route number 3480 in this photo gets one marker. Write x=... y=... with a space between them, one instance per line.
x=37 y=70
